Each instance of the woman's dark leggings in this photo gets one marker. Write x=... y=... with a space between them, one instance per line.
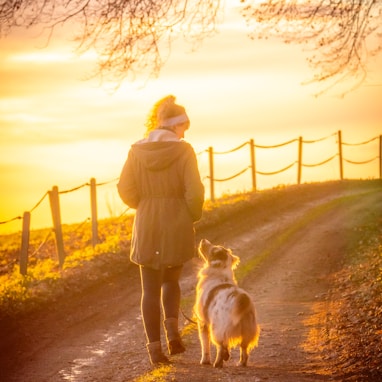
x=159 y=287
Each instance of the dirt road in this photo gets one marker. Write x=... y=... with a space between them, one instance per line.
x=297 y=240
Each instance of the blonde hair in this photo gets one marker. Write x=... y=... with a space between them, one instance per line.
x=163 y=109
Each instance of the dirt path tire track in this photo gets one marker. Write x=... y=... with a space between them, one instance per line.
x=97 y=336
x=289 y=289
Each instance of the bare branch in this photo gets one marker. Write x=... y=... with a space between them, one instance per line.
x=130 y=37
x=342 y=33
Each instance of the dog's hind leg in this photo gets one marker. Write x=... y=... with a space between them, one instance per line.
x=222 y=354
x=204 y=336
x=243 y=355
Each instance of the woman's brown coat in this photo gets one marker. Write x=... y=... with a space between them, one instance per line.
x=161 y=180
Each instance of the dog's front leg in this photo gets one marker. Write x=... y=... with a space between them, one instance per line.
x=204 y=336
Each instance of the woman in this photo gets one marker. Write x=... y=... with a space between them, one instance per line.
x=161 y=180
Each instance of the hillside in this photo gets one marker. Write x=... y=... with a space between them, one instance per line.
x=310 y=257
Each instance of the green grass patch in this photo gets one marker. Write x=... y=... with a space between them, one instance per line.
x=246 y=268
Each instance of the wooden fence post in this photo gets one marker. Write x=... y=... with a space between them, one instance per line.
x=93 y=205
x=56 y=217
x=211 y=160
x=340 y=154
x=380 y=157
x=253 y=164
x=299 y=169
x=25 y=243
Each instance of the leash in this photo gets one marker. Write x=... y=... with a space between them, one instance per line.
x=187 y=318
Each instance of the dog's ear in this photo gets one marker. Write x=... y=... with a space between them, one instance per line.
x=204 y=242
x=203 y=249
x=235 y=260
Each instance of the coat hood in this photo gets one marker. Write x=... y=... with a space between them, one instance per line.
x=159 y=150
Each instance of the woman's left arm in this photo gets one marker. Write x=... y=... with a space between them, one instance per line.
x=194 y=189
x=127 y=185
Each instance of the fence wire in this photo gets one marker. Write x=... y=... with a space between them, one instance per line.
x=11 y=220
x=235 y=175
x=320 y=139
x=74 y=189
x=361 y=143
x=124 y=212
x=107 y=182
x=321 y=163
x=232 y=150
x=275 y=146
x=231 y=177
x=31 y=210
x=276 y=172
x=42 y=244
x=39 y=202
x=363 y=162
x=252 y=166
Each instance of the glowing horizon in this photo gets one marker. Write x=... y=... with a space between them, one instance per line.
x=59 y=129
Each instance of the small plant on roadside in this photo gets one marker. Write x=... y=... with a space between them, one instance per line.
x=159 y=374
x=13 y=291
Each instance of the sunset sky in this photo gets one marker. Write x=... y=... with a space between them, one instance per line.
x=57 y=128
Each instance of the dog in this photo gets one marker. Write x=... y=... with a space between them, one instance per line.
x=225 y=313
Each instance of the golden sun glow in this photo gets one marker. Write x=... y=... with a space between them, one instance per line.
x=43 y=57
x=57 y=128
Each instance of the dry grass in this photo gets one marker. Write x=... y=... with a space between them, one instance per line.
x=347 y=327
x=351 y=335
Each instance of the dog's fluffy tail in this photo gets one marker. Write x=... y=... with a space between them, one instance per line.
x=245 y=314
x=243 y=304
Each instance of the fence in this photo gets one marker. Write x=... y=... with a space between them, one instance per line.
x=54 y=193
x=54 y=201
x=299 y=162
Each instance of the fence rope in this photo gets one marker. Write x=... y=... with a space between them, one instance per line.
x=125 y=211
x=73 y=189
x=20 y=217
x=319 y=164
x=235 y=175
x=361 y=143
x=363 y=162
x=82 y=224
x=276 y=172
x=231 y=177
x=252 y=166
x=39 y=202
x=107 y=182
x=231 y=151
x=320 y=139
x=11 y=220
x=274 y=146
x=42 y=244
x=60 y=192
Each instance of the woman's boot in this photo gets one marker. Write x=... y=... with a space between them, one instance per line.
x=174 y=342
x=155 y=353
